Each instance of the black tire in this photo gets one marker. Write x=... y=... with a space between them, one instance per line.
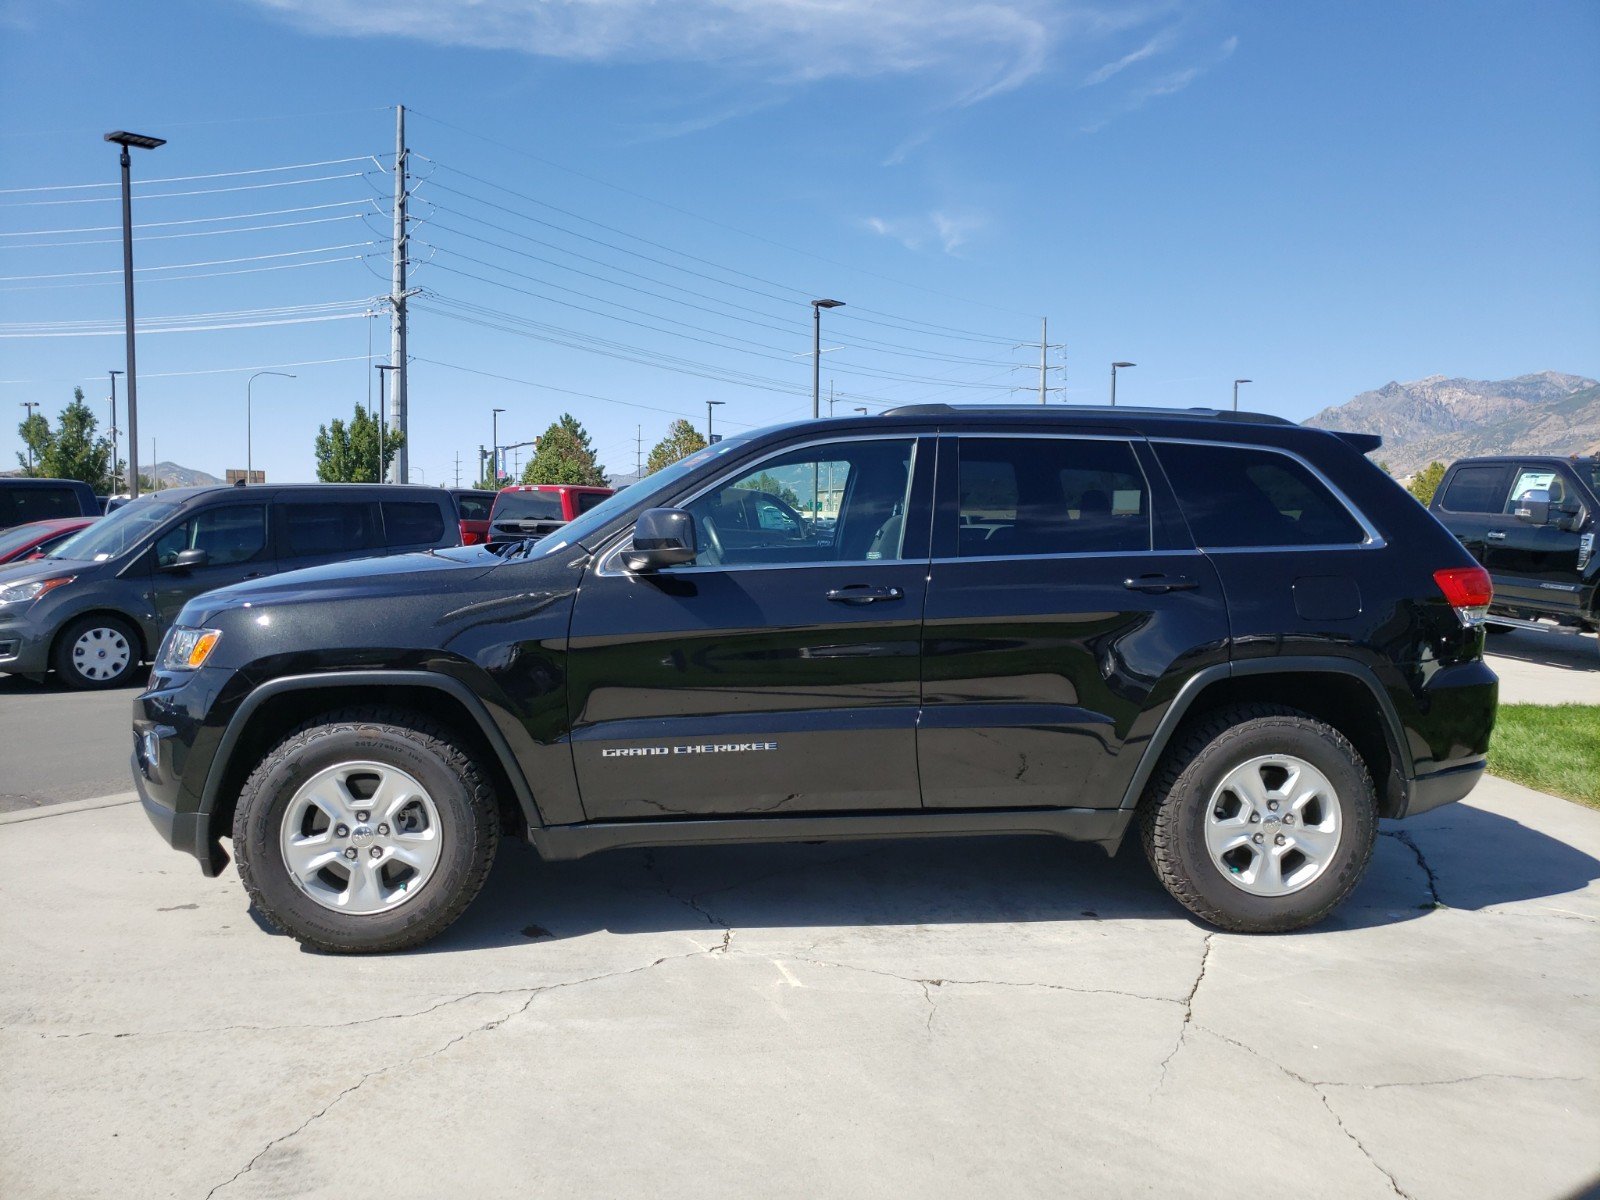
x=72 y=662
x=1173 y=812
x=457 y=785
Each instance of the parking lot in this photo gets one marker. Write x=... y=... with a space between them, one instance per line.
x=949 y=1018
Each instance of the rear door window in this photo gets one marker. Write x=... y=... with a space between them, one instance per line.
x=1053 y=495
x=1244 y=496
x=329 y=528
x=1477 y=489
x=412 y=523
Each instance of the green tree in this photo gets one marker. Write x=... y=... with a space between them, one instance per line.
x=349 y=453
x=682 y=440
x=773 y=486
x=1426 y=482
x=564 y=455
x=1383 y=465
x=70 y=450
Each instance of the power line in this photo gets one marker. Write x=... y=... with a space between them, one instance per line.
x=321 y=262
x=167 y=237
x=78 y=187
x=244 y=187
x=313 y=362
x=216 y=262
x=275 y=212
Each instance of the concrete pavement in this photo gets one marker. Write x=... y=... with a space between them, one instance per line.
x=945 y=1018
x=1538 y=667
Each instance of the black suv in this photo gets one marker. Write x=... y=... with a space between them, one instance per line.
x=1530 y=520
x=1233 y=630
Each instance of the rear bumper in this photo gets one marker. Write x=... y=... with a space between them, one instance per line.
x=1428 y=792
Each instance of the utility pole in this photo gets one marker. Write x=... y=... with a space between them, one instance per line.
x=1044 y=359
x=458 y=468
x=114 y=375
x=638 y=452
x=399 y=394
x=830 y=397
x=30 y=405
x=384 y=370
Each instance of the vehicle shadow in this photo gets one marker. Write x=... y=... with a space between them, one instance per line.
x=1464 y=857
x=1577 y=651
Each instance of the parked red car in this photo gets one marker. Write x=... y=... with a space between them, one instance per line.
x=474 y=506
x=533 y=510
x=38 y=537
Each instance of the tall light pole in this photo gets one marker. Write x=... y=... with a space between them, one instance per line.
x=383 y=370
x=123 y=138
x=30 y=405
x=816 y=352
x=494 y=457
x=710 y=405
x=862 y=411
x=1114 y=367
x=114 y=375
x=248 y=441
x=1236 y=384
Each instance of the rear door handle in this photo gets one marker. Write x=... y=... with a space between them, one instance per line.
x=1496 y=535
x=1158 y=584
x=861 y=593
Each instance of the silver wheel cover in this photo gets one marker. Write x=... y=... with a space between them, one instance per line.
x=361 y=838
x=1273 y=825
x=101 y=653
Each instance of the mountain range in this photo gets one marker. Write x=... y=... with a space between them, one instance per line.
x=1444 y=419
x=171 y=475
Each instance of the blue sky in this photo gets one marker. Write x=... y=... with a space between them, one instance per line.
x=1321 y=198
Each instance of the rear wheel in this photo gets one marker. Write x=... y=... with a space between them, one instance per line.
x=365 y=830
x=1261 y=820
x=96 y=651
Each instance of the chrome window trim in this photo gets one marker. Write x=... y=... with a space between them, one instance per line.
x=1125 y=439
x=607 y=567
x=1373 y=539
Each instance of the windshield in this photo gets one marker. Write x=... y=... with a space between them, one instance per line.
x=111 y=536
x=614 y=506
x=528 y=506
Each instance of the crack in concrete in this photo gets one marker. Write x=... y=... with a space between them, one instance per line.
x=1405 y=839
x=1188 y=1012
x=486 y=1027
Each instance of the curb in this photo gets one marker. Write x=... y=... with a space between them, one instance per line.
x=75 y=806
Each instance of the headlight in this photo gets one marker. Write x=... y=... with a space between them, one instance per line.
x=188 y=649
x=27 y=593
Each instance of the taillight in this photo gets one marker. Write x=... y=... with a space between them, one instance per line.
x=1468 y=590
x=470 y=537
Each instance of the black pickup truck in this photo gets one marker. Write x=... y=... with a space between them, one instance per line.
x=1530 y=520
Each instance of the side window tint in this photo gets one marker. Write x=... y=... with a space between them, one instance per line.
x=172 y=543
x=44 y=503
x=235 y=533
x=842 y=502
x=588 y=500
x=1050 y=496
x=328 y=528
x=1237 y=496
x=473 y=508
x=1480 y=489
x=411 y=523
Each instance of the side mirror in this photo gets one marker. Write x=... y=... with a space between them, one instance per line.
x=662 y=537
x=189 y=558
x=1533 y=507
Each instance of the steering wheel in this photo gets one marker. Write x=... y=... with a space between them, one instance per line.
x=710 y=554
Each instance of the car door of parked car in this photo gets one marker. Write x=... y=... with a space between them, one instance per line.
x=773 y=675
x=1471 y=504
x=1535 y=564
x=1061 y=596
x=236 y=540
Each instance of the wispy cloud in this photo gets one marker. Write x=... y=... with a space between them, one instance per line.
x=1167 y=84
x=1154 y=46
x=984 y=48
x=945 y=230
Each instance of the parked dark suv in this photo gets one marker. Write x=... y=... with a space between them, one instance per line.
x=1235 y=631
x=97 y=605
x=25 y=500
x=1531 y=522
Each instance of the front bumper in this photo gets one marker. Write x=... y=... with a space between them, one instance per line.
x=174 y=742
x=186 y=831
x=24 y=646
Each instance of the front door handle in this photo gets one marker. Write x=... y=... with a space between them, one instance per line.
x=1158 y=584
x=861 y=593
x=1496 y=535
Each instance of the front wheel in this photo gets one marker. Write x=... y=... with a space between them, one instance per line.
x=365 y=831
x=1260 y=820
x=97 y=651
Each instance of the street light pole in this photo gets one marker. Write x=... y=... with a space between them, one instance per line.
x=1236 y=384
x=816 y=352
x=862 y=411
x=710 y=405
x=248 y=440
x=123 y=138
x=494 y=457
x=30 y=405
x=114 y=375
x=1114 y=367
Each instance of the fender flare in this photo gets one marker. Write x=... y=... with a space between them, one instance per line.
x=375 y=679
x=1399 y=750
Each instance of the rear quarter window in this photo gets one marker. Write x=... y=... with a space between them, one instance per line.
x=412 y=523
x=1239 y=496
x=312 y=528
x=1477 y=489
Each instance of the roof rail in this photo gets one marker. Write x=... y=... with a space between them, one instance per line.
x=1033 y=410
